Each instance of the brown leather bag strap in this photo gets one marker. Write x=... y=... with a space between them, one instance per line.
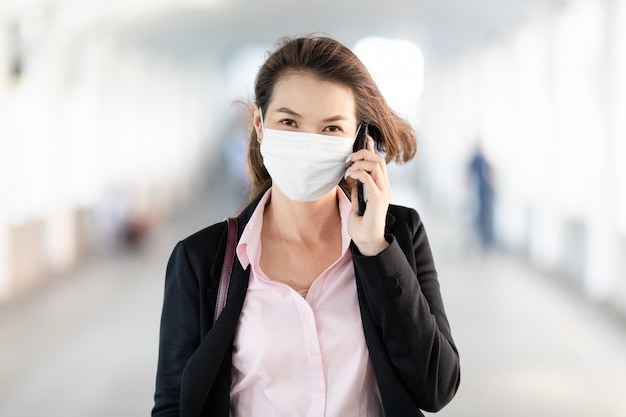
x=227 y=268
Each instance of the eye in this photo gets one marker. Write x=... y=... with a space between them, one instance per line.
x=289 y=122
x=333 y=129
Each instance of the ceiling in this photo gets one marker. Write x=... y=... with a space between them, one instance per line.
x=442 y=27
x=195 y=28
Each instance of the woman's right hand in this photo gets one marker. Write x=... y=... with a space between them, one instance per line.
x=368 y=231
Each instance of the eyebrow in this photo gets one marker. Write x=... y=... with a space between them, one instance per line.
x=287 y=110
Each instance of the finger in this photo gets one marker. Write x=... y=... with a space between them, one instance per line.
x=363 y=171
x=372 y=175
x=376 y=166
x=368 y=156
x=354 y=198
x=366 y=178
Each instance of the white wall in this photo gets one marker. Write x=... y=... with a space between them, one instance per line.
x=548 y=103
x=94 y=117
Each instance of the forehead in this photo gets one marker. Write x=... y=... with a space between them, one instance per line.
x=307 y=93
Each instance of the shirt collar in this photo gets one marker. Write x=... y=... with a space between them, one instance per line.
x=249 y=246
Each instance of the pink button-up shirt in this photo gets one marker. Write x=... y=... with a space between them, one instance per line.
x=298 y=356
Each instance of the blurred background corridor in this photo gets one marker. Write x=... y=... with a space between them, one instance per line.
x=123 y=130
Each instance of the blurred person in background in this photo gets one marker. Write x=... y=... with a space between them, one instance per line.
x=481 y=183
x=122 y=222
x=328 y=312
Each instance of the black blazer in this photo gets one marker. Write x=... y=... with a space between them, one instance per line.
x=413 y=355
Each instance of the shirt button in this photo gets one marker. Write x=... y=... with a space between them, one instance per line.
x=314 y=353
x=307 y=315
x=318 y=389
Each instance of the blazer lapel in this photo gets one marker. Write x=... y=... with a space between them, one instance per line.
x=202 y=368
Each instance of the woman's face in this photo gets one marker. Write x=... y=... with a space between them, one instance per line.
x=303 y=103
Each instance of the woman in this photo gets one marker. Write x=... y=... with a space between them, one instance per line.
x=329 y=313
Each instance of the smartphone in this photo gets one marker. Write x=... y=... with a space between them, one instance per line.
x=361 y=140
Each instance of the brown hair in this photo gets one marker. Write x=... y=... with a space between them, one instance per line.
x=329 y=60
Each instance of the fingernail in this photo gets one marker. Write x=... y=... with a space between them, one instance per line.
x=349 y=158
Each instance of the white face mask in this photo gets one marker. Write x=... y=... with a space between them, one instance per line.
x=304 y=166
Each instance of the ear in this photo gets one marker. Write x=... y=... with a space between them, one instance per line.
x=256 y=120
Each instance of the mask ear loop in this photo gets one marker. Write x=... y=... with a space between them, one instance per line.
x=358 y=129
x=261 y=117
x=262 y=125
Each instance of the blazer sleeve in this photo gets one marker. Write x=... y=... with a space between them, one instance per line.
x=180 y=331
x=404 y=299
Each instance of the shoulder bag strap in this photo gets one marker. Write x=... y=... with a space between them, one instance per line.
x=227 y=268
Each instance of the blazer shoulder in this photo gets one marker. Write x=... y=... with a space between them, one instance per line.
x=206 y=235
x=204 y=245
x=405 y=214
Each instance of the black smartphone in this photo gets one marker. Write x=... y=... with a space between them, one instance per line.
x=361 y=140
